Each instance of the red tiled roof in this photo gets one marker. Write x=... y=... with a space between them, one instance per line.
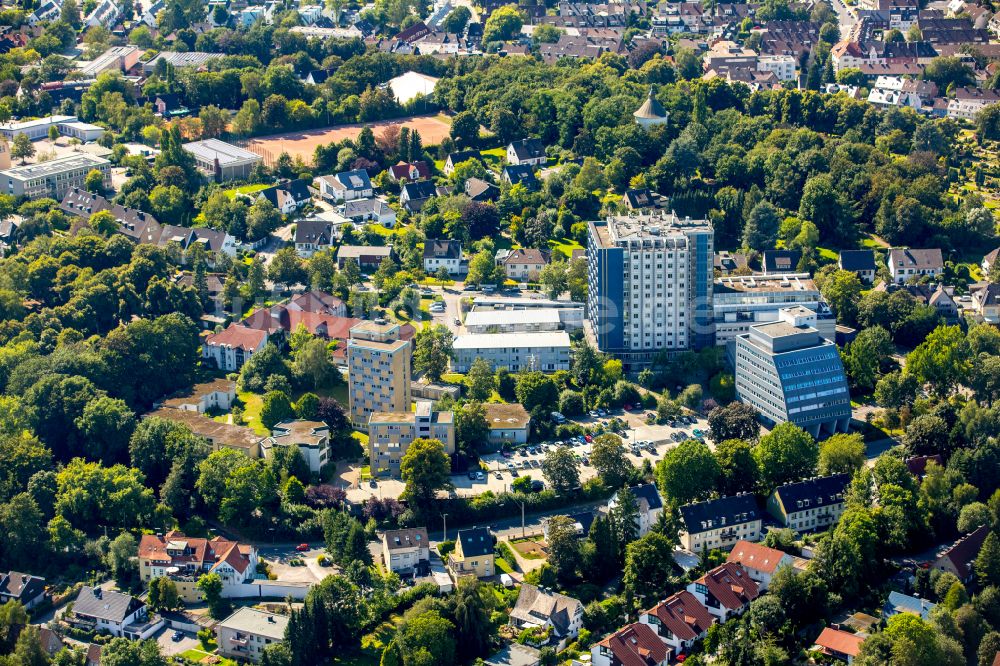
x=202 y=551
x=755 y=556
x=402 y=170
x=683 y=615
x=964 y=552
x=996 y=659
x=239 y=337
x=731 y=585
x=840 y=642
x=637 y=645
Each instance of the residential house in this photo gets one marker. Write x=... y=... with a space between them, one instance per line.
x=137 y=225
x=312 y=236
x=906 y=263
x=478 y=189
x=642 y=198
x=966 y=103
x=214 y=395
x=903 y=603
x=809 y=505
x=780 y=261
x=185 y=559
x=473 y=554
x=413 y=195
x=634 y=645
x=731 y=263
x=318 y=302
x=184 y=238
x=991 y=258
x=233 y=347
x=9 y=235
x=839 y=644
x=648 y=504
x=541 y=608
x=986 y=302
x=860 y=262
x=109 y=612
x=246 y=633
x=582 y=522
x=759 y=561
x=520 y=174
x=23 y=588
x=726 y=591
x=524 y=264
x=367 y=257
x=509 y=423
x=288 y=196
x=311 y=437
x=406 y=550
x=360 y=211
x=718 y=523
x=526 y=151
x=679 y=621
x=410 y=171
x=440 y=254
x=346 y=185
x=50 y=641
x=456 y=158
x=961 y=556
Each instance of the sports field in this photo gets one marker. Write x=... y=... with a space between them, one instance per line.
x=432 y=128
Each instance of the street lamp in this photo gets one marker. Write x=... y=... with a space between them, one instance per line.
x=444 y=517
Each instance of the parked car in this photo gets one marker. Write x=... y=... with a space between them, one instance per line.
x=537 y=486
x=588 y=438
x=302 y=547
x=480 y=476
x=498 y=476
x=177 y=636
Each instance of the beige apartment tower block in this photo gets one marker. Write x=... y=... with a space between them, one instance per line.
x=378 y=364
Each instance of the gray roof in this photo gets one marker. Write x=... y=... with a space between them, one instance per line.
x=857 y=260
x=724 y=511
x=909 y=258
x=105 y=605
x=354 y=180
x=258 y=623
x=476 y=541
x=528 y=148
x=316 y=232
x=651 y=108
x=413 y=537
x=209 y=150
x=21 y=586
x=904 y=603
x=821 y=491
x=442 y=249
x=539 y=606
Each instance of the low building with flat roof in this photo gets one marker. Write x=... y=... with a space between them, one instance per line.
x=509 y=423
x=246 y=633
x=311 y=437
x=740 y=301
x=53 y=178
x=221 y=160
x=513 y=321
x=788 y=372
x=546 y=351
x=180 y=59
x=220 y=435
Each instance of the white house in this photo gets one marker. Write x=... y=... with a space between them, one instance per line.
x=231 y=348
x=110 y=612
x=440 y=254
x=759 y=561
x=649 y=505
x=726 y=590
x=346 y=186
x=311 y=437
x=907 y=263
x=526 y=151
x=404 y=550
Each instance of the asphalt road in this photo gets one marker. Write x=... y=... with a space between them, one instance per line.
x=845 y=17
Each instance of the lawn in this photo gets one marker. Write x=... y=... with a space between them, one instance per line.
x=453 y=378
x=529 y=549
x=196 y=656
x=828 y=254
x=245 y=189
x=565 y=246
x=252 y=405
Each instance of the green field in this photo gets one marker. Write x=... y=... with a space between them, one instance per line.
x=564 y=246
x=245 y=189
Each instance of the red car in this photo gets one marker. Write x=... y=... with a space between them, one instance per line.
x=627 y=408
x=302 y=547
x=588 y=438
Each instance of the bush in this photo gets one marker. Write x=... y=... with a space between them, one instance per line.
x=206 y=636
x=445 y=548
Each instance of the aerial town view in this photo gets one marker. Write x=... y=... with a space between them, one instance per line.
x=499 y=332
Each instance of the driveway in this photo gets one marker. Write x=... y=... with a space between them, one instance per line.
x=169 y=647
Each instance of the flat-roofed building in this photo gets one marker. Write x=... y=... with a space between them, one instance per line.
x=221 y=160
x=180 y=60
x=509 y=423
x=246 y=633
x=391 y=433
x=120 y=58
x=513 y=321
x=378 y=363
x=53 y=178
x=220 y=435
x=311 y=437
x=517 y=352
x=37 y=128
x=649 y=282
x=738 y=302
x=788 y=372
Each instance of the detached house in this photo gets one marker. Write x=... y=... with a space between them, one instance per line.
x=634 y=645
x=959 y=559
x=679 y=620
x=759 y=561
x=536 y=607
x=410 y=171
x=346 y=185
x=368 y=210
x=906 y=263
x=440 y=254
x=526 y=151
x=991 y=258
x=413 y=195
x=184 y=559
x=986 y=302
x=456 y=158
x=648 y=503
x=312 y=236
x=111 y=612
x=233 y=347
x=245 y=634
x=311 y=437
x=860 y=262
x=478 y=189
x=520 y=174
x=406 y=550
x=473 y=554
x=809 y=505
x=720 y=522
x=725 y=591
x=24 y=588
x=287 y=197
x=525 y=264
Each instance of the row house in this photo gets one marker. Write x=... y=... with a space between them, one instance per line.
x=966 y=103
x=719 y=523
x=809 y=505
x=634 y=645
x=231 y=348
x=759 y=561
x=726 y=591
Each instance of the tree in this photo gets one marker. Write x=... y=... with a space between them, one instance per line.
x=988 y=123
x=456 y=20
x=94 y=182
x=787 y=453
x=126 y=652
x=608 y=458
x=687 y=473
x=433 y=351
x=563 y=546
x=210 y=585
x=120 y=559
x=987 y=564
x=867 y=355
x=425 y=469
x=842 y=290
x=948 y=72
x=561 y=469
x=927 y=435
x=648 y=574
x=425 y=639
x=503 y=24
x=554 y=278
x=465 y=129
x=277 y=407
x=472 y=430
x=973 y=516
x=537 y=391
x=895 y=390
x=312 y=361
x=737 y=467
x=571 y=403
x=480 y=382
x=942 y=360
x=761 y=229
x=736 y=420
x=22 y=148
x=213 y=121
x=842 y=453
x=471 y=613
